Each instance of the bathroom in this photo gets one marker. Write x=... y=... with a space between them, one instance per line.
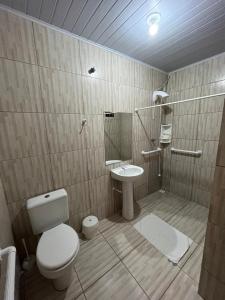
x=112 y=149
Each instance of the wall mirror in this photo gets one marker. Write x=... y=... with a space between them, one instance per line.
x=118 y=137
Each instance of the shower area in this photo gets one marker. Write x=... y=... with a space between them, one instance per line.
x=182 y=142
x=187 y=143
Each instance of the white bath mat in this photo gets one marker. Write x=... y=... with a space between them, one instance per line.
x=167 y=239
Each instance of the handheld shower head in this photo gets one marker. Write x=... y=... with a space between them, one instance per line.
x=159 y=94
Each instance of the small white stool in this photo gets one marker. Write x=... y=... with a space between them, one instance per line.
x=90 y=227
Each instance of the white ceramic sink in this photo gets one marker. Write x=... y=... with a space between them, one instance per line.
x=127 y=173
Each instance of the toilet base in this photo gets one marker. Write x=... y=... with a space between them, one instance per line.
x=63 y=282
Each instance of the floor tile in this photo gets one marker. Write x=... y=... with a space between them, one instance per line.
x=123 y=238
x=183 y=288
x=191 y=220
x=193 y=266
x=166 y=206
x=187 y=255
x=81 y=297
x=117 y=284
x=95 y=258
x=151 y=269
x=107 y=223
x=149 y=198
x=37 y=287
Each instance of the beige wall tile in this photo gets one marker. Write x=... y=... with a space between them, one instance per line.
x=65 y=132
x=201 y=196
x=23 y=134
x=94 y=131
x=97 y=57
x=100 y=190
x=209 y=126
x=61 y=91
x=221 y=147
x=26 y=177
x=122 y=70
x=97 y=95
x=142 y=76
x=56 y=49
x=19 y=87
x=17 y=40
x=79 y=200
x=20 y=220
x=125 y=101
x=96 y=162
x=69 y=168
x=6 y=237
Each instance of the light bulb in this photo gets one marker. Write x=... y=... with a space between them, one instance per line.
x=153 y=29
x=153 y=22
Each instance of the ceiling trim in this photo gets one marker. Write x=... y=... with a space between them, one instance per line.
x=33 y=19
x=197 y=62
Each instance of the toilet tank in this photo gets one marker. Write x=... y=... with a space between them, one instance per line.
x=48 y=210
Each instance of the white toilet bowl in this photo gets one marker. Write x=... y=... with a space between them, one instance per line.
x=56 y=252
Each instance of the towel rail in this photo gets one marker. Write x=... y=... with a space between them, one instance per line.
x=189 y=152
x=10 y=273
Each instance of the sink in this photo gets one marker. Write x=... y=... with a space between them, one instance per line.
x=128 y=174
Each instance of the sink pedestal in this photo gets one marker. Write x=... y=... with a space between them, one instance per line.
x=128 y=174
x=128 y=206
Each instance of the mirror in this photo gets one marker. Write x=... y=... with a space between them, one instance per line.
x=118 y=137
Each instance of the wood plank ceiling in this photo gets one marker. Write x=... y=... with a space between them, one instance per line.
x=190 y=30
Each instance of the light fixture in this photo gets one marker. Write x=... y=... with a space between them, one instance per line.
x=153 y=22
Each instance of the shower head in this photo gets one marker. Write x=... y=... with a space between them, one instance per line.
x=159 y=94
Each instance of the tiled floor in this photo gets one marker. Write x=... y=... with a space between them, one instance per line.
x=120 y=264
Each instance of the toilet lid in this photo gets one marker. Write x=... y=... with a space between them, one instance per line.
x=57 y=247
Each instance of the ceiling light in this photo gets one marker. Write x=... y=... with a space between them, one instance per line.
x=153 y=22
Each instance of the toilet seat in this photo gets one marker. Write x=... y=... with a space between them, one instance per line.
x=57 y=247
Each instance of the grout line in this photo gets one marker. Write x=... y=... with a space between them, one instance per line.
x=135 y=279
x=43 y=106
x=121 y=261
x=100 y=235
x=170 y=284
x=80 y=283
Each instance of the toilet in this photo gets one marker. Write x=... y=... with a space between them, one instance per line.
x=58 y=245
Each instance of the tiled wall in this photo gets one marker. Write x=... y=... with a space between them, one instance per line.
x=6 y=238
x=196 y=126
x=212 y=281
x=45 y=92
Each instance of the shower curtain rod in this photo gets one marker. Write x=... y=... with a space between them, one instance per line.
x=181 y=101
